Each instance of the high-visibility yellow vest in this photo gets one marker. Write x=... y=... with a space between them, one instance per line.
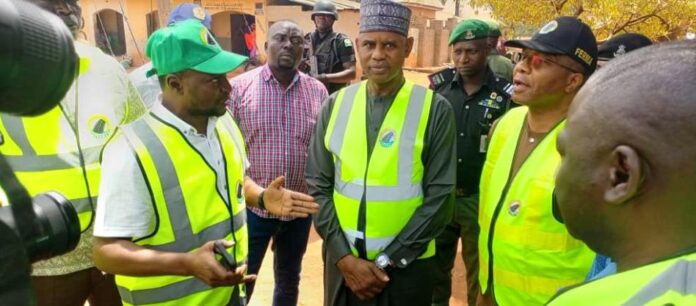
x=190 y=209
x=43 y=150
x=525 y=254
x=668 y=282
x=391 y=180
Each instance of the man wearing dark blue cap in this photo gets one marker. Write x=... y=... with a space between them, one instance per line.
x=381 y=166
x=149 y=86
x=526 y=255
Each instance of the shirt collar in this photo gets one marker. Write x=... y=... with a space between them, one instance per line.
x=188 y=130
x=267 y=75
x=490 y=79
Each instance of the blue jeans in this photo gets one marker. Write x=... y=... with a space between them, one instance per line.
x=289 y=245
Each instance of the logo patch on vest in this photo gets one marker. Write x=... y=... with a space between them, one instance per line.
x=387 y=138
x=99 y=126
x=514 y=208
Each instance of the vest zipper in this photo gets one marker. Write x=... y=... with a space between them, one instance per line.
x=362 y=217
x=496 y=212
x=229 y=195
x=499 y=206
x=491 y=231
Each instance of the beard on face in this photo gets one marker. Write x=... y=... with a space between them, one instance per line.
x=210 y=112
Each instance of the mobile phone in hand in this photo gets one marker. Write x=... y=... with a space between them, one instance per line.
x=226 y=259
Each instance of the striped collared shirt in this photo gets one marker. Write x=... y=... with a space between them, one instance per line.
x=277 y=124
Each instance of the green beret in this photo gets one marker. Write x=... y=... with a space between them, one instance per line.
x=493 y=29
x=470 y=29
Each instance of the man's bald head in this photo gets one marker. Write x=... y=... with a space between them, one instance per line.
x=629 y=151
x=284 y=46
x=647 y=99
x=281 y=25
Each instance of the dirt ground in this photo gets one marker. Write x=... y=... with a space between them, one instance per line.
x=311 y=284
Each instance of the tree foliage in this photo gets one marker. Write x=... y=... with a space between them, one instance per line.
x=657 y=19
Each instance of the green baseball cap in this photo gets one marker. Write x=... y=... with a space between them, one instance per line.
x=188 y=45
x=470 y=29
x=493 y=29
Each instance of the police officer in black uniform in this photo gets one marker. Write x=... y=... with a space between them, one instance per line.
x=329 y=56
x=478 y=97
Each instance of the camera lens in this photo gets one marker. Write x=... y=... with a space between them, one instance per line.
x=35 y=42
x=60 y=227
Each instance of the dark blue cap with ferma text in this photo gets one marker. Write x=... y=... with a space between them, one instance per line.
x=564 y=36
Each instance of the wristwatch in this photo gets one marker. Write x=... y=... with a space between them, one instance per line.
x=260 y=202
x=383 y=262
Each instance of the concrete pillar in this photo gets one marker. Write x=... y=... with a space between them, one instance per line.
x=451 y=23
x=440 y=46
x=412 y=59
x=163 y=9
x=427 y=42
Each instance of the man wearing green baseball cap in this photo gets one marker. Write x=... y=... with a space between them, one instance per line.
x=189 y=45
x=478 y=98
x=172 y=225
x=500 y=64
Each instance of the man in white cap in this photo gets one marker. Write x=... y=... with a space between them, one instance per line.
x=386 y=191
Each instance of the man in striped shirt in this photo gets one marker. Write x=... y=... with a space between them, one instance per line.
x=276 y=107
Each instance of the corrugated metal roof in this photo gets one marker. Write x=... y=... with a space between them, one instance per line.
x=355 y=5
x=434 y=4
x=340 y=4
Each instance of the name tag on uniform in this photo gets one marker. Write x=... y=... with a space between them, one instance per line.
x=483 y=144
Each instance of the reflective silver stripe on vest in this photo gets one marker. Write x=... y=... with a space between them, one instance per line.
x=371 y=244
x=29 y=161
x=15 y=127
x=678 y=278
x=237 y=142
x=185 y=239
x=405 y=189
x=169 y=292
x=34 y=163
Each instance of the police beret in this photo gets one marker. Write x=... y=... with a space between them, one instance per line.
x=621 y=44
x=493 y=28
x=470 y=29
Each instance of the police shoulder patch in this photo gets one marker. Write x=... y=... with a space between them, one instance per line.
x=508 y=89
x=441 y=77
x=505 y=87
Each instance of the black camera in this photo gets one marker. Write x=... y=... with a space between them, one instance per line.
x=38 y=64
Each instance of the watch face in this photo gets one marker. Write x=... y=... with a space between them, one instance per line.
x=382 y=261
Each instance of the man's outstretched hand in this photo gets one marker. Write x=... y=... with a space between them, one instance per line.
x=284 y=202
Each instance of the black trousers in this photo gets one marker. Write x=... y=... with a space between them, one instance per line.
x=411 y=286
x=75 y=288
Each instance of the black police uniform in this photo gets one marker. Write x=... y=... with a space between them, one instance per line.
x=474 y=116
x=331 y=51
